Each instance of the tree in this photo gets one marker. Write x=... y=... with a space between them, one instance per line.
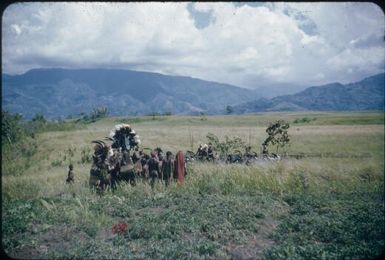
x=99 y=112
x=12 y=129
x=229 y=110
x=230 y=145
x=203 y=116
x=39 y=118
x=278 y=134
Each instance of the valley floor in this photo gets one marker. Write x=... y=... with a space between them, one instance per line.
x=328 y=205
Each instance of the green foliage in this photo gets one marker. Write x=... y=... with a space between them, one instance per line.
x=39 y=118
x=304 y=120
x=157 y=115
x=17 y=147
x=16 y=220
x=40 y=125
x=200 y=219
x=167 y=113
x=99 y=112
x=226 y=147
x=11 y=128
x=202 y=116
x=337 y=226
x=278 y=135
x=19 y=144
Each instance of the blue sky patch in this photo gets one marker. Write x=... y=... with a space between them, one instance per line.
x=201 y=19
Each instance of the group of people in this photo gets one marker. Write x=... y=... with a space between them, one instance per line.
x=205 y=152
x=157 y=167
x=123 y=161
x=113 y=165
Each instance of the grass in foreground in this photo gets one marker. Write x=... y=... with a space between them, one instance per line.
x=271 y=210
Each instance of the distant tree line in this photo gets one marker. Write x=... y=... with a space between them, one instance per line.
x=15 y=128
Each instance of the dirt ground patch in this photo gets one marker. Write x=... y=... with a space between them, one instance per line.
x=40 y=239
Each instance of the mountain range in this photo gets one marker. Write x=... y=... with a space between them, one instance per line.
x=62 y=92
x=367 y=94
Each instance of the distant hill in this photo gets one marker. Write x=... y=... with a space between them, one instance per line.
x=274 y=90
x=367 y=94
x=63 y=92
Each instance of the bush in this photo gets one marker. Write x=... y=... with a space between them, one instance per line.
x=304 y=120
x=19 y=144
x=12 y=129
x=229 y=146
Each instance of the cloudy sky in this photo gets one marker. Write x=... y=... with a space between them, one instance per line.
x=245 y=44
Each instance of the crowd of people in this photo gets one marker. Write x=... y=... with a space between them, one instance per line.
x=123 y=161
x=159 y=167
x=112 y=165
x=205 y=152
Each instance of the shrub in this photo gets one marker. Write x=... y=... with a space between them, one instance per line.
x=12 y=129
x=230 y=145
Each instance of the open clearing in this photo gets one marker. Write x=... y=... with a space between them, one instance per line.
x=329 y=204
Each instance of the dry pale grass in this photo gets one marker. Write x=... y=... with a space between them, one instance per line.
x=331 y=130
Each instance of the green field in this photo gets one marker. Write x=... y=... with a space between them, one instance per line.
x=327 y=205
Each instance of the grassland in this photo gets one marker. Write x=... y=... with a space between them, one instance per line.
x=327 y=205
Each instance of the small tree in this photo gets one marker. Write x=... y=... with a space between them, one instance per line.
x=278 y=135
x=39 y=118
x=203 y=116
x=229 y=110
x=230 y=145
x=99 y=112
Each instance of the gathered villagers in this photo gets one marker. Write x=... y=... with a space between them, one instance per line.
x=124 y=161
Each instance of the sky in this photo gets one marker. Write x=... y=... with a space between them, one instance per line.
x=245 y=44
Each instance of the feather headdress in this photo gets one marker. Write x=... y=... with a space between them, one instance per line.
x=124 y=136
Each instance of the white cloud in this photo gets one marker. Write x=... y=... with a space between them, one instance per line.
x=16 y=29
x=309 y=43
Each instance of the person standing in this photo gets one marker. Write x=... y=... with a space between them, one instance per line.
x=135 y=156
x=71 y=174
x=210 y=153
x=153 y=169
x=167 y=167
